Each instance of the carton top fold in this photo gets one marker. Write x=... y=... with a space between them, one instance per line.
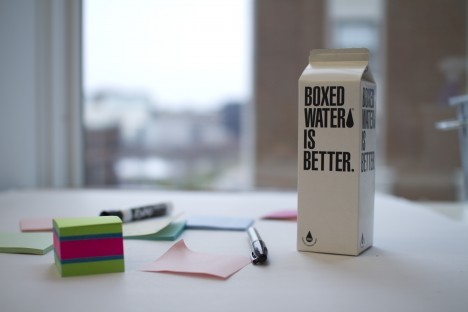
x=339 y=55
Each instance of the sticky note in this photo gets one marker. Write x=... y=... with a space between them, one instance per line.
x=88 y=245
x=169 y=233
x=218 y=223
x=72 y=227
x=27 y=243
x=36 y=225
x=282 y=215
x=147 y=227
x=180 y=259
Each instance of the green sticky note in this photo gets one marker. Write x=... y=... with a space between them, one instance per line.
x=26 y=243
x=169 y=233
x=87 y=226
x=85 y=267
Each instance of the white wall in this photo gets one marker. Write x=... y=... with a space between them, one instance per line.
x=40 y=136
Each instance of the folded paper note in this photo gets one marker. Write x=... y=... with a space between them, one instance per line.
x=88 y=245
x=180 y=259
x=147 y=227
x=27 y=243
x=218 y=223
x=282 y=215
x=169 y=233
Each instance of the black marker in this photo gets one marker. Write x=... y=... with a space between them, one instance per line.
x=140 y=213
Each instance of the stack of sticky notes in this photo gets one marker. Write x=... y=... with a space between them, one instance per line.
x=88 y=245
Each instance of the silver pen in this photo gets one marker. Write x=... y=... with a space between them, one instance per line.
x=259 y=250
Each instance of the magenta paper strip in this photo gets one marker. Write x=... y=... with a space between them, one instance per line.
x=180 y=259
x=88 y=248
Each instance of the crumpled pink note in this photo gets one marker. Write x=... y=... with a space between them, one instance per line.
x=180 y=259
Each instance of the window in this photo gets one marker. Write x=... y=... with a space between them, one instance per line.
x=166 y=85
x=418 y=57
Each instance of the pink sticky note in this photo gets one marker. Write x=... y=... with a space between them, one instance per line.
x=180 y=259
x=282 y=215
x=36 y=225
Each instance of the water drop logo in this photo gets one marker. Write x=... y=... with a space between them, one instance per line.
x=349 y=119
x=363 y=241
x=309 y=240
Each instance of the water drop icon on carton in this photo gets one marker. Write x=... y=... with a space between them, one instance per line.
x=349 y=119
x=309 y=240
x=309 y=237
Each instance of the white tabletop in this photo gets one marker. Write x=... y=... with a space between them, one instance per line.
x=419 y=261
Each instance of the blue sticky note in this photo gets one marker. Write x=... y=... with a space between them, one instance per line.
x=218 y=223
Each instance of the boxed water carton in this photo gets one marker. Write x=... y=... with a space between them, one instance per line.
x=336 y=153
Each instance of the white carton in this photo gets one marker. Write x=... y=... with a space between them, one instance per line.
x=336 y=153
